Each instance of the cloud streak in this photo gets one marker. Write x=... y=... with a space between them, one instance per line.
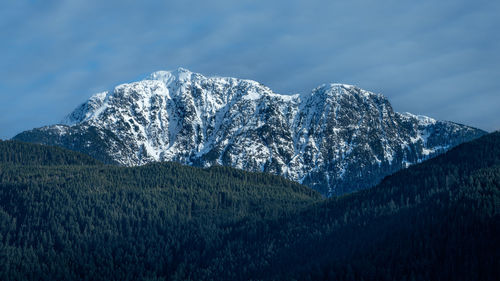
x=439 y=59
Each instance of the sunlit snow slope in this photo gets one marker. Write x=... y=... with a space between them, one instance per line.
x=336 y=139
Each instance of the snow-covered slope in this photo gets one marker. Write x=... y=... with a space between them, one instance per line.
x=336 y=139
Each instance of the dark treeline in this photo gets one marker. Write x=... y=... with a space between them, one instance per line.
x=15 y=152
x=439 y=220
x=66 y=220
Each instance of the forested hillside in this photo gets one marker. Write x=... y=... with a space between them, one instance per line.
x=20 y=153
x=60 y=221
x=439 y=220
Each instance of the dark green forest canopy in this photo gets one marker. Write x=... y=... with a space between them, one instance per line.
x=65 y=219
x=16 y=152
x=433 y=221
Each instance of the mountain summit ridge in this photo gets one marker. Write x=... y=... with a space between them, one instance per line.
x=338 y=138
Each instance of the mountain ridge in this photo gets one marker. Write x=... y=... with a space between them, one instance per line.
x=336 y=139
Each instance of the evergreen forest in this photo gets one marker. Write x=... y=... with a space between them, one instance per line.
x=66 y=216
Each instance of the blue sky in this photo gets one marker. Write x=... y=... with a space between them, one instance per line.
x=437 y=58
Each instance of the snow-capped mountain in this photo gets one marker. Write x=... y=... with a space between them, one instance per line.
x=336 y=139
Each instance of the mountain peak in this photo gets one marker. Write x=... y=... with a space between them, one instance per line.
x=182 y=69
x=424 y=120
x=180 y=73
x=338 y=90
x=161 y=75
x=336 y=139
x=184 y=74
x=338 y=85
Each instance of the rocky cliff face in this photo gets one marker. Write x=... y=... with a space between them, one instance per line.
x=336 y=139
